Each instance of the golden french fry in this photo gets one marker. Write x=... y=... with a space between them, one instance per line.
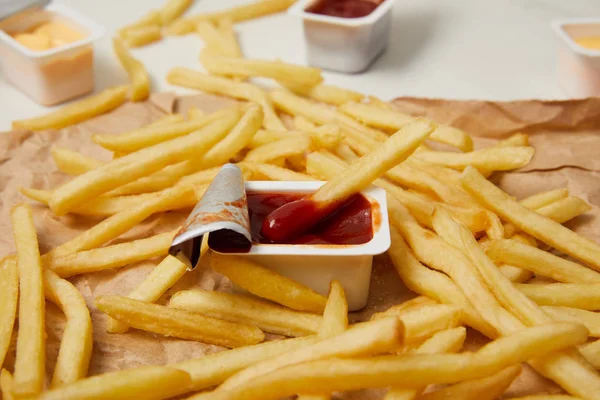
x=487 y=388
x=411 y=370
x=136 y=165
x=394 y=120
x=494 y=228
x=540 y=262
x=173 y=10
x=150 y=135
x=6 y=381
x=219 y=85
x=546 y=397
x=165 y=178
x=29 y=370
x=195 y=113
x=538 y=226
x=335 y=316
x=247 y=310
x=165 y=275
x=281 y=148
x=181 y=26
x=79 y=111
x=72 y=162
x=313 y=397
x=421 y=323
x=515 y=274
x=230 y=44
x=345 y=152
x=178 y=323
x=576 y=295
x=542 y=199
x=141 y=36
x=152 y=383
x=9 y=298
x=267 y=284
x=591 y=352
x=490 y=159
x=590 y=320
x=516 y=139
x=76 y=345
x=246 y=12
x=333 y=94
x=431 y=283
x=369 y=338
x=138 y=76
x=448 y=341
x=275 y=173
x=302 y=123
x=221 y=65
x=212 y=38
x=214 y=368
x=563 y=367
x=110 y=257
x=120 y=223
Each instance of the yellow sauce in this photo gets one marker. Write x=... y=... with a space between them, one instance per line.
x=47 y=36
x=592 y=42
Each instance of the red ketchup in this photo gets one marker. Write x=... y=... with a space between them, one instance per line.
x=344 y=8
x=290 y=218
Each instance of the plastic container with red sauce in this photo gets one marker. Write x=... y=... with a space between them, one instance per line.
x=55 y=75
x=344 y=35
x=341 y=247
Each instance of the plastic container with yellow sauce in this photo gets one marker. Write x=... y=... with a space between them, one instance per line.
x=578 y=69
x=49 y=75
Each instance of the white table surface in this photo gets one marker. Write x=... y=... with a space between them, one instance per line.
x=459 y=49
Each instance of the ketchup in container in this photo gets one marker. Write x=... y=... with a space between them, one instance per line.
x=344 y=8
x=350 y=223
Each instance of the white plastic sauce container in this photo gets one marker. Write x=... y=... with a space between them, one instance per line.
x=317 y=265
x=578 y=68
x=55 y=75
x=344 y=44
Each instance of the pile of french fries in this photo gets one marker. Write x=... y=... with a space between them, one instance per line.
x=466 y=248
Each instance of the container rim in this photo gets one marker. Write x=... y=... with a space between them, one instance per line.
x=299 y=8
x=96 y=31
x=558 y=27
x=379 y=244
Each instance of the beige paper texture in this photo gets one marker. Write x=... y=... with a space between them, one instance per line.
x=565 y=134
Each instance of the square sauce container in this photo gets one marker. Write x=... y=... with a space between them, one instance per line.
x=59 y=73
x=316 y=265
x=344 y=44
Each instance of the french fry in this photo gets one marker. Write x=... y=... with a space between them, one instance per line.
x=576 y=295
x=515 y=274
x=369 y=338
x=333 y=94
x=152 y=383
x=79 y=111
x=542 y=199
x=546 y=397
x=178 y=323
x=212 y=38
x=394 y=120
x=141 y=36
x=538 y=226
x=173 y=10
x=281 y=148
x=302 y=123
x=345 y=152
x=219 y=85
x=275 y=173
x=563 y=367
x=267 y=284
x=110 y=257
x=421 y=323
x=246 y=12
x=29 y=369
x=591 y=352
x=431 y=283
x=195 y=113
x=231 y=47
x=266 y=316
x=516 y=139
x=9 y=298
x=412 y=370
x=76 y=345
x=138 y=76
x=448 y=341
x=72 y=162
x=221 y=65
x=492 y=158
x=150 y=135
x=335 y=315
x=487 y=388
x=136 y=165
x=590 y=320
x=540 y=262
x=152 y=17
x=6 y=381
x=165 y=275
x=120 y=223
x=165 y=178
